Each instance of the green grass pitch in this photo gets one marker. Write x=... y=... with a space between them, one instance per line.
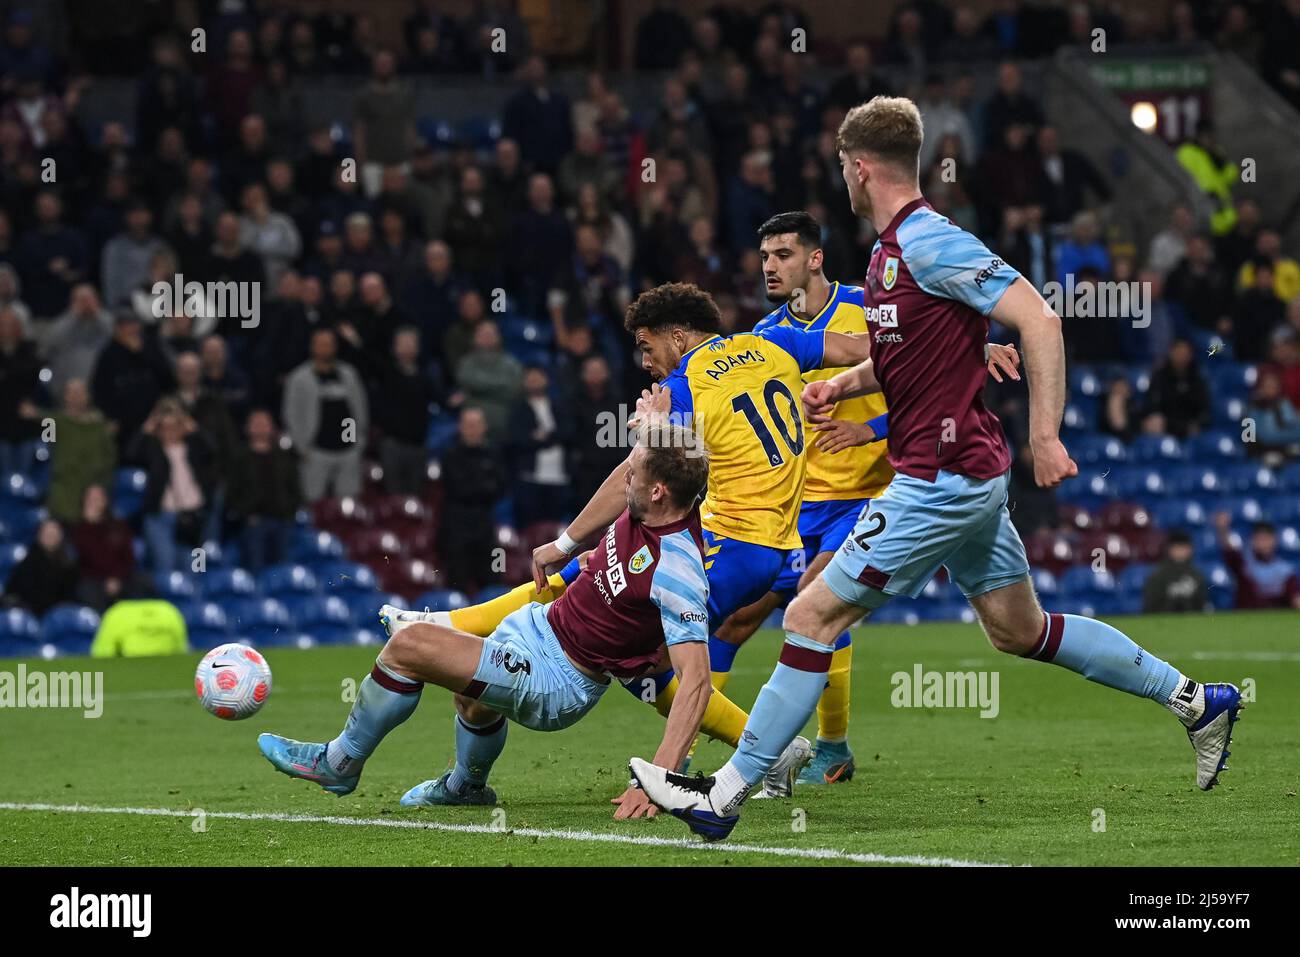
x=1067 y=773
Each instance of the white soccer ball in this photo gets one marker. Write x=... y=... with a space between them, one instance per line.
x=233 y=681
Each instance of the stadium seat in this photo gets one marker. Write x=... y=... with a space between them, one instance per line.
x=21 y=487
x=373 y=544
x=176 y=585
x=896 y=612
x=1112 y=545
x=441 y=599
x=128 y=491
x=1156 y=448
x=488 y=592
x=397 y=512
x=1075 y=606
x=70 y=628
x=1083 y=380
x=365 y=606
x=311 y=611
x=539 y=533
x=21 y=518
x=18 y=626
x=335 y=514
x=1179 y=513
x=247 y=614
x=1250 y=477
x=1050 y=550
x=1132 y=481
x=311 y=546
x=270 y=636
x=1124 y=515
x=1233 y=379
x=342 y=577
x=1074 y=516
x=1098 y=450
x=1194 y=478
x=1082 y=579
x=288 y=579
x=342 y=635
x=1133 y=578
x=408 y=577
x=1045 y=583
x=1290 y=476
x=1214 y=445
x=1228 y=413
x=1080 y=412
x=224 y=583
x=480 y=132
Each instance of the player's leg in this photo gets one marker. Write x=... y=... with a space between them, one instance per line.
x=416 y=653
x=832 y=760
x=482 y=619
x=991 y=570
x=480 y=739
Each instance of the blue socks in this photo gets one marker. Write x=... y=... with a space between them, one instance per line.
x=384 y=701
x=1105 y=655
x=721 y=654
x=570 y=571
x=783 y=706
x=477 y=747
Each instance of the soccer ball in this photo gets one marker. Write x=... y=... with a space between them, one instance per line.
x=233 y=681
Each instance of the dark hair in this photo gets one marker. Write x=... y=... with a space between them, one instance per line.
x=1178 y=537
x=802 y=224
x=674 y=304
x=1263 y=527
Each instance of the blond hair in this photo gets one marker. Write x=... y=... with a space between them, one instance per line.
x=887 y=128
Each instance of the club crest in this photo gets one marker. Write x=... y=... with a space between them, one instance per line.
x=889 y=275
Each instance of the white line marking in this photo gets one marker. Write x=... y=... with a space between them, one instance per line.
x=807 y=853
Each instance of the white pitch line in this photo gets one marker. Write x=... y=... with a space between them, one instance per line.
x=592 y=837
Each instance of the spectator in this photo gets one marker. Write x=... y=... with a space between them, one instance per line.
x=1170 y=245
x=402 y=412
x=489 y=379
x=1200 y=287
x=263 y=494
x=1280 y=56
x=474 y=230
x=222 y=380
x=229 y=261
x=1264 y=579
x=73 y=341
x=1010 y=175
x=1069 y=179
x=587 y=165
x=130 y=376
x=47 y=575
x=19 y=380
x=1179 y=394
x=537 y=453
x=1010 y=105
x=178 y=463
x=51 y=258
x=1084 y=250
x=541 y=244
x=83 y=455
x=1175 y=584
x=459 y=338
x=11 y=296
x=596 y=414
x=105 y=554
x=942 y=118
x=433 y=293
x=1277 y=422
x=473 y=480
x=268 y=234
x=247 y=163
x=859 y=83
x=327 y=416
x=538 y=119
x=1285 y=270
x=190 y=237
x=1120 y=412
x=749 y=200
x=1214 y=174
x=384 y=122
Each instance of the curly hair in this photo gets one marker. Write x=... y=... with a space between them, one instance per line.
x=674 y=304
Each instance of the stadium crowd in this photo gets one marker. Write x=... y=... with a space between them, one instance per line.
x=446 y=324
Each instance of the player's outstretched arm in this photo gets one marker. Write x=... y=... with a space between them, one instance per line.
x=690 y=659
x=1021 y=308
x=605 y=506
x=845 y=349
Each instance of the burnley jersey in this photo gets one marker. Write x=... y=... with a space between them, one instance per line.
x=643 y=586
x=930 y=288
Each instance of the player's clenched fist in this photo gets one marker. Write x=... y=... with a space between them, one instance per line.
x=1052 y=464
x=545 y=559
x=818 y=398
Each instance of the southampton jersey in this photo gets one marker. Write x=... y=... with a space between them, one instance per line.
x=930 y=288
x=643 y=586
x=740 y=393
x=862 y=471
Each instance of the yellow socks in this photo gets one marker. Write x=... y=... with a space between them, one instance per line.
x=483 y=619
x=833 y=708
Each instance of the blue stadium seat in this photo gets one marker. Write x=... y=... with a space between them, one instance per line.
x=1228 y=413
x=896 y=612
x=481 y=132
x=1075 y=606
x=270 y=636
x=365 y=606
x=288 y=579
x=1179 y=513
x=1156 y=448
x=1080 y=412
x=441 y=599
x=1137 y=480
x=1247 y=508
x=344 y=577
x=1098 y=450
x=1195 y=479
x=343 y=635
x=1250 y=477
x=489 y=592
x=1215 y=444
x=18 y=626
x=223 y=583
x=21 y=518
x=1132 y=579
x=1093 y=480
x=1045 y=583
x=315 y=548
x=176 y=585
x=1232 y=379
x=1290 y=476
x=1117 y=603
x=247 y=614
x=128 y=491
x=307 y=612
x=1288 y=541
x=70 y=628
x=1083 y=380
x=941 y=591
x=1081 y=579
x=21 y=487
x=437 y=133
